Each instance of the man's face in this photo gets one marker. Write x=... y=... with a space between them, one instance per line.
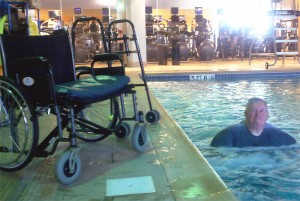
x=257 y=114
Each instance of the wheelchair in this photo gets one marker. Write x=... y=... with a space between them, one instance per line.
x=39 y=79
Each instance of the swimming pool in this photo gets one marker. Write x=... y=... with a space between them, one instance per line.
x=202 y=108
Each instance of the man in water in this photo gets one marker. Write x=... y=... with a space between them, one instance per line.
x=254 y=130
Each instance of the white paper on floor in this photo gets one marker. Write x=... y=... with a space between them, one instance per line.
x=127 y=186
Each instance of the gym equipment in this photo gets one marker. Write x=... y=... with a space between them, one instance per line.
x=155 y=38
x=205 y=49
x=175 y=51
x=152 y=52
x=230 y=39
x=152 y=46
x=178 y=37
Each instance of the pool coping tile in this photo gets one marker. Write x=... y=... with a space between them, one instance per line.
x=218 y=76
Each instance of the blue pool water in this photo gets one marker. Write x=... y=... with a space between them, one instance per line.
x=202 y=108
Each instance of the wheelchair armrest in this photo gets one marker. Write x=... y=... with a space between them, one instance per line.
x=38 y=66
x=83 y=70
x=32 y=61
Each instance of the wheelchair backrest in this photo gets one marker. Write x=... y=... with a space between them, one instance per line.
x=37 y=63
x=55 y=48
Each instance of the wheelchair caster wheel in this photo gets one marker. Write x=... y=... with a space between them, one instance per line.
x=139 y=137
x=123 y=131
x=67 y=171
x=267 y=65
x=153 y=116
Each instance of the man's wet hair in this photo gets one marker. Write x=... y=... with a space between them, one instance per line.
x=251 y=101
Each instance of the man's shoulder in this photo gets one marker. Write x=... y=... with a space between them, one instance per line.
x=268 y=125
x=278 y=136
x=273 y=129
x=236 y=126
x=226 y=136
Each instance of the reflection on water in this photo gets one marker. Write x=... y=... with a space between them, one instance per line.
x=204 y=108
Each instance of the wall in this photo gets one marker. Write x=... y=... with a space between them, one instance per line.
x=135 y=12
x=68 y=14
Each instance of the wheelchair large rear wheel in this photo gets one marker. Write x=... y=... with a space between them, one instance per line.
x=104 y=114
x=18 y=127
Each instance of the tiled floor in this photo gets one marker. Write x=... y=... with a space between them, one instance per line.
x=171 y=168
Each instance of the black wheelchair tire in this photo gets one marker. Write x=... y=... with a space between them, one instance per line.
x=153 y=116
x=123 y=131
x=23 y=133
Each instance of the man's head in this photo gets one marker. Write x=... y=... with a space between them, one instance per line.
x=256 y=113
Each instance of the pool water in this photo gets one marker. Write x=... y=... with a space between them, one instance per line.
x=202 y=108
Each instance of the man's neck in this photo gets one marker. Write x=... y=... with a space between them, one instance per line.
x=255 y=130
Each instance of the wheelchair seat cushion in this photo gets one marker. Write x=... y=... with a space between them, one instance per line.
x=91 y=89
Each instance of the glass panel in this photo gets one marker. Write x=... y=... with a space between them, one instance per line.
x=232 y=23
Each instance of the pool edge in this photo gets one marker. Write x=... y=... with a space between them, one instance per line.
x=218 y=75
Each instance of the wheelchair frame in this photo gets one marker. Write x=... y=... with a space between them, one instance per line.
x=22 y=104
